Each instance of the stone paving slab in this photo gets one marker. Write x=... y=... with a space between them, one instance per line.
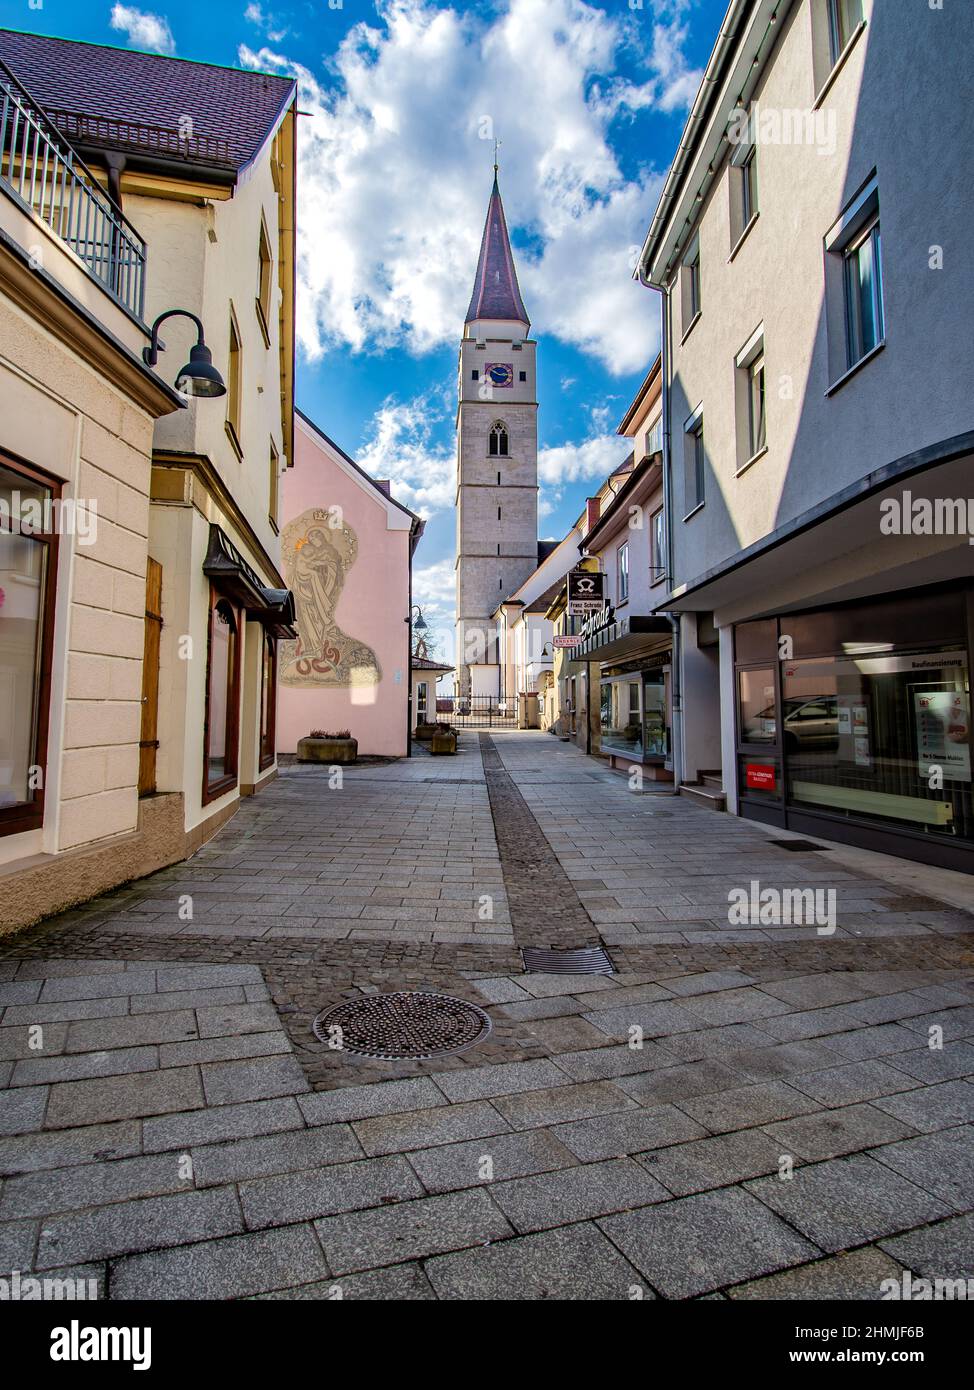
x=174 y=1129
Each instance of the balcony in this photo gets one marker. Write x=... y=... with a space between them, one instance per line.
x=45 y=175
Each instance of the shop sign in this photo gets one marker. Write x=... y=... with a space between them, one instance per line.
x=566 y=641
x=597 y=622
x=761 y=777
x=586 y=592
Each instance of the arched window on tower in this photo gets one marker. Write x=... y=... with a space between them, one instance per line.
x=498 y=441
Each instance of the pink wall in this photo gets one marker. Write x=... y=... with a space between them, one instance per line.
x=371 y=609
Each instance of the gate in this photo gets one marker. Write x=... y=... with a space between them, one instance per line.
x=479 y=711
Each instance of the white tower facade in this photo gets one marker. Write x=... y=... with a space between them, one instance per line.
x=497 y=458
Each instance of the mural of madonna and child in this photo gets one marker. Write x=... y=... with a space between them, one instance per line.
x=318 y=549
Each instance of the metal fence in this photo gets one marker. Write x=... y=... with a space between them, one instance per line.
x=43 y=172
x=479 y=712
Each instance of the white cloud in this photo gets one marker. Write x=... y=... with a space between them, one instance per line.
x=571 y=463
x=147 y=31
x=400 y=448
x=394 y=177
x=269 y=23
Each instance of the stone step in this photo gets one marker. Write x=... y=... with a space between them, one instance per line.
x=713 y=798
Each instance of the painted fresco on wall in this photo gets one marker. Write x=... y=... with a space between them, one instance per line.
x=318 y=550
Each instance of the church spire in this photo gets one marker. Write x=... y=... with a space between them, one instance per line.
x=495 y=290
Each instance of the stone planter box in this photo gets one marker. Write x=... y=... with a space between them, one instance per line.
x=327 y=750
x=424 y=732
x=444 y=741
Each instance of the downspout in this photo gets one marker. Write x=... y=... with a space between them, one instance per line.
x=676 y=680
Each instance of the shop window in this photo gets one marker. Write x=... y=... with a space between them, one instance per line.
x=28 y=568
x=268 y=701
x=234 y=376
x=498 y=441
x=881 y=737
x=621 y=716
x=657 y=548
x=622 y=573
x=221 y=727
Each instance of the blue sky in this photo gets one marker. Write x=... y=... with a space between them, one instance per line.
x=402 y=99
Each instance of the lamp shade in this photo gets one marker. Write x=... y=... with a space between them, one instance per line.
x=199 y=377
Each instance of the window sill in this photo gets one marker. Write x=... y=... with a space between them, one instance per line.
x=693 y=511
x=691 y=326
x=839 y=64
x=234 y=441
x=847 y=376
x=272 y=521
x=752 y=460
x=743 y=237
x=262 y=320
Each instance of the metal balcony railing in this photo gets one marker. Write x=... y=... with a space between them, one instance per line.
x=44 y=173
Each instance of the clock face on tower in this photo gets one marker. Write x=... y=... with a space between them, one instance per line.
x=500 y=373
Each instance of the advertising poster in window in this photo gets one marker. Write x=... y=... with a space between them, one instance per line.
x=943 y=729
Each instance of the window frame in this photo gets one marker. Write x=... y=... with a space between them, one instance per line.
x=841 y=25
x=622 y=574
x=231 y=775
x=274 y=489
x=857 y=349
x=691 y=296
x=265 y=281
x=657 y=546
x=500 y=434
x=757 y=397
x=695 y=463
x=29 y=815
x=267 y=734
x=234 y=384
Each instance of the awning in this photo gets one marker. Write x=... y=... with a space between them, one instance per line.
x=234 y=579
x=620 y=638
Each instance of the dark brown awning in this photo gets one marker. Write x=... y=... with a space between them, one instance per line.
x=232 y=577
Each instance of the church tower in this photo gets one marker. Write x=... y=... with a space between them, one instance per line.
x=497 y=457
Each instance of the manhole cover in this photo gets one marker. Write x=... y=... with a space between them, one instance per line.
x=586 y=960
x=404 y=1026
x=798 y=846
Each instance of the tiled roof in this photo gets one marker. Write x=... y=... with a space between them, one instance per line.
x=495 y=291
x=143 y=103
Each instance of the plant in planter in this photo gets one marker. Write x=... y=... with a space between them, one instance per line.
x=322 y=747
x=444 y=740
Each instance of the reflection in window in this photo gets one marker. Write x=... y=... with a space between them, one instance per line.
x=756 y=707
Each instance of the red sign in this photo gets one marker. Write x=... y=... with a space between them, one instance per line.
x=761 y=776
x=566 y=641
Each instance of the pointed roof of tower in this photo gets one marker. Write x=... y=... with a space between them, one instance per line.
x=495 y=291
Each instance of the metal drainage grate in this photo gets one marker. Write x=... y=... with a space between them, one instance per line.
x=586 y=960
x=799 y=846
x=402 y=1026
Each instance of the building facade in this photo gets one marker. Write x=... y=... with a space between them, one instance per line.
x=813 y=257
x=347 y=557
x=159 y=683
x=630 y=645
x=497 y=458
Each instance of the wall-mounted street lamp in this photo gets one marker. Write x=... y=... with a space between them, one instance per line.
x=418 y=625
x=199 y=377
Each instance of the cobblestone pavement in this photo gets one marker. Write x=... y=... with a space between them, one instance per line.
x=737 y=1112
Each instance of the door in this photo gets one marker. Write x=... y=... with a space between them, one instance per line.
x=148 y=740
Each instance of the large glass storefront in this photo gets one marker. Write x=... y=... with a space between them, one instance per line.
x=865 y=720
x=633 y=710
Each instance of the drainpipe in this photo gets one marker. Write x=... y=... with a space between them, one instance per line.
x=676 y=679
